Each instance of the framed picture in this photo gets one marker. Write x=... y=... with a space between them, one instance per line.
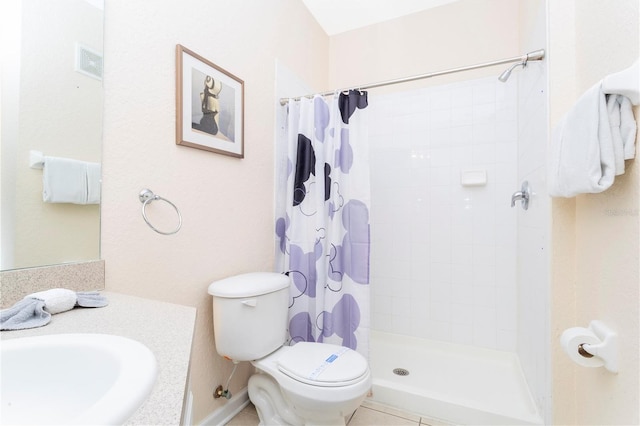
x=209 y=105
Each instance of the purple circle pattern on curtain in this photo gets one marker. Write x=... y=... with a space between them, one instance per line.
x=323 y=237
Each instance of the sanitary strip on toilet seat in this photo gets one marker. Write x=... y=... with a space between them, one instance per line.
x=323 y=364
x=327 y=362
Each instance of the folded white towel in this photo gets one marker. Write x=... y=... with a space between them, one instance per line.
x=70 y=181
x=590 y=144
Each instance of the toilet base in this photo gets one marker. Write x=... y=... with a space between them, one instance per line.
x=274 y=409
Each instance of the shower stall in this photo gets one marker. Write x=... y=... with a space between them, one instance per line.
x=459 y=276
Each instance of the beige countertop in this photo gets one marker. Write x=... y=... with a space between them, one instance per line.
x=165 y=328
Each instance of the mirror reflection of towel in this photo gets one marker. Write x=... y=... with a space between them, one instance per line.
x=70 y=181
x=93 y=183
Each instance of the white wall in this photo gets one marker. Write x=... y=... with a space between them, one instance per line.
x=443 y=255
x=226 y=203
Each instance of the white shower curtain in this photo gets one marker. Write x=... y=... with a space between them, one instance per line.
x=322 y=226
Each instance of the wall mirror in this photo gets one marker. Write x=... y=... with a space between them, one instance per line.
x=51 y=102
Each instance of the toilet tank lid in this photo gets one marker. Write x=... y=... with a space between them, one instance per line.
x=248 y=285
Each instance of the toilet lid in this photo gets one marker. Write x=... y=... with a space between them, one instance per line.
x=322 y=364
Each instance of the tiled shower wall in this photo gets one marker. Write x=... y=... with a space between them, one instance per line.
x=443 y=257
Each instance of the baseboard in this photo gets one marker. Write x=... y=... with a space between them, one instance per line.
x=228 y=411
x=188 y=410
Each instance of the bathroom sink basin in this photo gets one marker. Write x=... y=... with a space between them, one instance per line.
x=76 y=379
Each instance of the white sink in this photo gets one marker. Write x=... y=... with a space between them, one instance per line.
x=95 y=379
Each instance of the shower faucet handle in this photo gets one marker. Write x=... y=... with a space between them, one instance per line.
x=523 y=195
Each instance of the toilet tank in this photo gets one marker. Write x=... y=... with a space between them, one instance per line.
x=250 y=314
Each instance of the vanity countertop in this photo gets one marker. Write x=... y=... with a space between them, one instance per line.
x=165 y=328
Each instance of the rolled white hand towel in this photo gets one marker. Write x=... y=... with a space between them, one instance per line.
x=56 y=300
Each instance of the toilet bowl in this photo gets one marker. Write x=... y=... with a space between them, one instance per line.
x=304 y=384
x=315 y=390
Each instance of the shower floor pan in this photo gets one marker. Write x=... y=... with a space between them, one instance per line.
x=455 y=383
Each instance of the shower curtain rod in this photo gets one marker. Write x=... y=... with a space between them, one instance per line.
x=536 y=55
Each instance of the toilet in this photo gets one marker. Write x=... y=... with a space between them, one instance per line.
x=304 y=384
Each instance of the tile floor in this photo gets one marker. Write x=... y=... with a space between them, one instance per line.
x=368 y=414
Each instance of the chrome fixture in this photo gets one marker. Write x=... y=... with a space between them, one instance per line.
x=146 y=197
x=524 y=195
x=507 y=73
x=531 y=56
x=536 y=55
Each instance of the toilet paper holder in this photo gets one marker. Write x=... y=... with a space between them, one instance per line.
x=606 y=349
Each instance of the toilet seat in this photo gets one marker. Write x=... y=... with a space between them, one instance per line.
x=323 y=364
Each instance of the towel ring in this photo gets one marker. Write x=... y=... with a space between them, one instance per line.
x=147 y=196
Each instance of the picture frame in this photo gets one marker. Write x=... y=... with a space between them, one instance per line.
x=209 y=105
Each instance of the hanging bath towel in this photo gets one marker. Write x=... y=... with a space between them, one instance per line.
x=590 y=144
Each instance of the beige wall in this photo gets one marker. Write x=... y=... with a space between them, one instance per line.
x=595 y=237
x=226 y=203
x=458 y=34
